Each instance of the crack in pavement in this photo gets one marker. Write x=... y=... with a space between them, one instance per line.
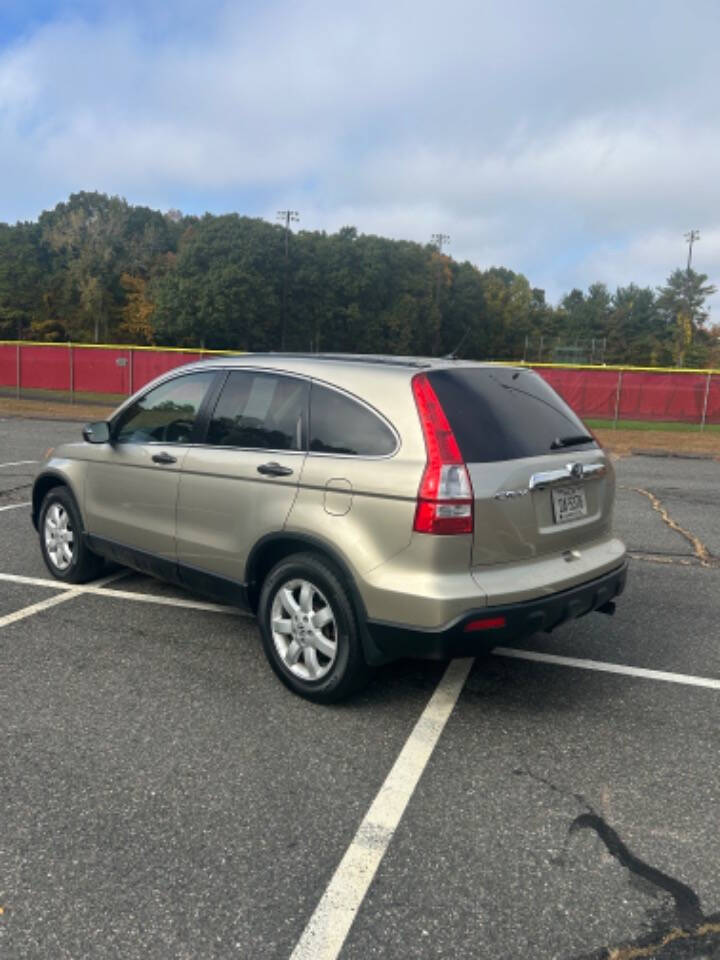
x=687 y=902
x=702 y=943
x=15 y=494
x=578 y=797
x=677 y=559
x=700 y=550
x=21 y=486
x=695 y=926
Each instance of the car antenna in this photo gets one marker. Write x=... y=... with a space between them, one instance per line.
x=453 y=353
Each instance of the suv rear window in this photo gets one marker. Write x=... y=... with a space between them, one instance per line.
x=502 y=413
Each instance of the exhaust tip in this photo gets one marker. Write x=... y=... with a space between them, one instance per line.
x=608 y=607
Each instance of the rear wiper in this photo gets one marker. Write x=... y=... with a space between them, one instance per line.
x=560 y=442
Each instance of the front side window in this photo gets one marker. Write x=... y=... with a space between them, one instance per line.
x=263 y=411
x=341 y=425
x=166 y=414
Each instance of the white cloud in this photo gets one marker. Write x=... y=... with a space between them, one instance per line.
x=573 y=142
x=652 y=256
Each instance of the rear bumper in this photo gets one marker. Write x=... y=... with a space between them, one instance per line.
x=393 y=640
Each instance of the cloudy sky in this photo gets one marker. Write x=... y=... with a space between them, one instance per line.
x=571 y=140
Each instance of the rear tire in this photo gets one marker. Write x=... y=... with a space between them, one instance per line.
x=63 y=548
x=310 y=631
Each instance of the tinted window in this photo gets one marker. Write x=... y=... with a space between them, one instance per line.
x=504 y=414
x=260 y=410
x=339 y=424
x=166 y=414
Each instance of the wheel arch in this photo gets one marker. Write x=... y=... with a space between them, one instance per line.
x=45 y=482
x=273 y=548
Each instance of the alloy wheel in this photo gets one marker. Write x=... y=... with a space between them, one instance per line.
x=304 y=629
x=59 y=536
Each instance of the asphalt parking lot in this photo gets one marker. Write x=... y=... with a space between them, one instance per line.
x=163 y=796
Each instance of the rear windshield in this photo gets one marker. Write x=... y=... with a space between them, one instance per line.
x=505 y=414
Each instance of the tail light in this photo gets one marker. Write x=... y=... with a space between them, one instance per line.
x=445 y=497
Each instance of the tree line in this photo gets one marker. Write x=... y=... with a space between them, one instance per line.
x=98 y=269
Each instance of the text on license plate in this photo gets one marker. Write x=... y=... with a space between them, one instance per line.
x=569 y=503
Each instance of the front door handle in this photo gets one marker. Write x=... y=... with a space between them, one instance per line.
x=163 y=458
x=274 y=470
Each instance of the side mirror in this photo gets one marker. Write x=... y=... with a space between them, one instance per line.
x=98 y=432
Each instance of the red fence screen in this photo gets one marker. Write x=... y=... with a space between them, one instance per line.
x=45 y=368
x=591 y=393
x=594 y=393
x=149 y=364
x=638 y=394
x=8 y=365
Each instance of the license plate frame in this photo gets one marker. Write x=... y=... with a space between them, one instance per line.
x=569 y=503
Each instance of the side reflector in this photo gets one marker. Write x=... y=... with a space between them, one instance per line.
x=489 y=623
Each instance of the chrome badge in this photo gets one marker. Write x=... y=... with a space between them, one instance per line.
x=511 y=494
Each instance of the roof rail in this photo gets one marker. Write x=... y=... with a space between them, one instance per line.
x=418 y=362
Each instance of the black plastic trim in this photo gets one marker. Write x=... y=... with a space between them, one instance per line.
x=207 y=407
x=395 y=640
x=214 y=585
x=306 y=542
x=210 y=584
x=37 y=501
x=127 y=556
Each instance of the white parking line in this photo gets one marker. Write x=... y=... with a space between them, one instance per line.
x=53 y=601
x=329 y=925
x=333 y=917
x=97 y=588
x=18 y=463
x=14 y=506
x=168 y=601
x=603 y=667
x=37 y=607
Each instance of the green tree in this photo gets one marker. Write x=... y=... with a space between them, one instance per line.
x=586 y=319
x=681 y=305
x=224 y=290
x=85 y=237
x=97 y=267
x=23 y=269
x=636 y=332
x=507 y=299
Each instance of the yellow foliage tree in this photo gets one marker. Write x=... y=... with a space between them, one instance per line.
x=684 y=336
x=137 y=313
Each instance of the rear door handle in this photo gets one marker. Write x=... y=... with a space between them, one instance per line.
x=163 y=458
x=274 y=470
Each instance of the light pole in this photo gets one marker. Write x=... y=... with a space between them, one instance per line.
x=287 y=217
x=692 y=237
x=439 y=239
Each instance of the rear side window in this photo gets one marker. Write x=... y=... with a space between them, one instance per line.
x=339 y=424
x=504 y=414
x=259 y=411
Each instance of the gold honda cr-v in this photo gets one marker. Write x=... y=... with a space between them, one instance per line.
x=365 y=508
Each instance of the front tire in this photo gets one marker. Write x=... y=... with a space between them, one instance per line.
x=61 y=542
x=309 y=630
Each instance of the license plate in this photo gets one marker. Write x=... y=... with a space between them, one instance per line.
x=569 y=503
